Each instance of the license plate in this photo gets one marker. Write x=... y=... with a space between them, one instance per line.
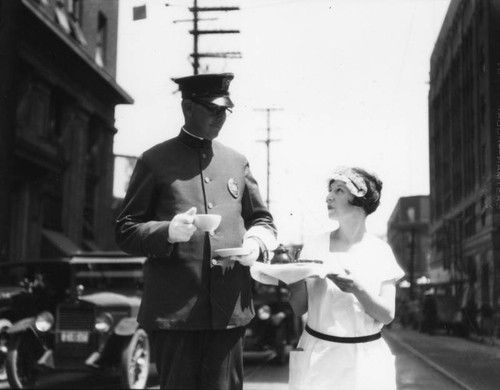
x=74 y=337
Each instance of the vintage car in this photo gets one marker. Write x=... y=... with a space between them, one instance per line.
x=11 y=298
x=448 y=315
x=275 y=329
x=92 y=325
x=18 y=299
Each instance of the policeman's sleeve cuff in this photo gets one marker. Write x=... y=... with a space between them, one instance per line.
x=265 y=238
x=155 y=239
x=263 y=252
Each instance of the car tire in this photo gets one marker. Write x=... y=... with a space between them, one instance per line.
x=4 y=325
x=21 y=361
x=135 y=362
x=280 y=347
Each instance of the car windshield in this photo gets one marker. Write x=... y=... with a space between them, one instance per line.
x=44 y=274
x=48 y=282
x=115 y=275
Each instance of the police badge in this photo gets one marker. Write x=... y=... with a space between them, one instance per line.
x=232 y=186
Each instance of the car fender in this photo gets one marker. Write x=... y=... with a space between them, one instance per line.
x=126 y=327
x=22 y=325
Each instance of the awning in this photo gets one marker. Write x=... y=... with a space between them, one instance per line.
x=60 y=242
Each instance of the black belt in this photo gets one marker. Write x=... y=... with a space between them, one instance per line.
x=345 y=340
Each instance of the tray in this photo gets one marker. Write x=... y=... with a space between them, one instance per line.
x=292 y=272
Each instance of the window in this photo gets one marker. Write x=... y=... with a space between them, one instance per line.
x=74 y=8
x=482 y=60
x=470 y=221
x=482 y=110
x=483 y=157
x=55 y=115
x=100 y=50
x=94 y=159
x=51 y=203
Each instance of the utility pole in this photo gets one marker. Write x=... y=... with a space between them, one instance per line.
x=268 y=141
x=197 y=32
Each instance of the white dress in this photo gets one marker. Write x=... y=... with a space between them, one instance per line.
x=338 y=366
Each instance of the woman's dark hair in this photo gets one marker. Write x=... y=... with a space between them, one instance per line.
x=360 y=180
x=371 y=200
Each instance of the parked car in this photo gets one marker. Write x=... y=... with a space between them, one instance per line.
x=450 y=316
x=20 y=297
x=93 y=327
x=275 y=329
x=8 y=314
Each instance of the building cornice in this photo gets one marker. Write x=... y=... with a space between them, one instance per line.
x=122 y=96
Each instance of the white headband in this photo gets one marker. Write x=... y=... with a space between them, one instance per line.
x=353 y=181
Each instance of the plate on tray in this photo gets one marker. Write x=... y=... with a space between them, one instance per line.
x=304 y=262
x=228 y=252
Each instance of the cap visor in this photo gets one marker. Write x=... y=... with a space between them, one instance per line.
x=222 y=101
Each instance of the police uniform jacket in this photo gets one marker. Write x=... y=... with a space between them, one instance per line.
x=183 y=288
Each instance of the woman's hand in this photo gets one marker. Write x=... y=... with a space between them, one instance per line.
x=381 y=307
x=347 y=282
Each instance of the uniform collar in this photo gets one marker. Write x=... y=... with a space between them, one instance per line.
x=195 y=142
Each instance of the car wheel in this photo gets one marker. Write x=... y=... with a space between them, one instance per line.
x=20 y=362
x=3 y=351
x=135 y=361
x=280 y=347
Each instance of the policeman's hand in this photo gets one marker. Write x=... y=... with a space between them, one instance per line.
x=253 y=249
x=181 y=227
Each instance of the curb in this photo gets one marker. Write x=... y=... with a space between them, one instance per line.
x=490 y=341
x=434 y=365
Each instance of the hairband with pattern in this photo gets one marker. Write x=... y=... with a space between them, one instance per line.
x=353 y=181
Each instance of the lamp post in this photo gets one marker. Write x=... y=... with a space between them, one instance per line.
x=411 y=218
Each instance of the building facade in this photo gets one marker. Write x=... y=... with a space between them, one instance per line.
x=464 y=137
x=408 y=236
x=57 y=99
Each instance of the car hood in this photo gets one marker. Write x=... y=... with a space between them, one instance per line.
x=111 y=299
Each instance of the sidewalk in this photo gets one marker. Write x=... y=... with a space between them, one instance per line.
x=469 y=362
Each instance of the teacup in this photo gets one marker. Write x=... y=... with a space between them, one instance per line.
x=207 y=222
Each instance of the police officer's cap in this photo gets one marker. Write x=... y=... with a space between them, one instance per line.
x=213 y=88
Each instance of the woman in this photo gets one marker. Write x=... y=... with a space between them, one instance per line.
x=341 y=346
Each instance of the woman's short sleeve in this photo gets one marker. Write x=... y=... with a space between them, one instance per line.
x=391 y=270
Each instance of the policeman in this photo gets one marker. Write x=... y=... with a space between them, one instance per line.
x=194 y=308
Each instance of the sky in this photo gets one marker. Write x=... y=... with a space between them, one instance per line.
x=347 y=82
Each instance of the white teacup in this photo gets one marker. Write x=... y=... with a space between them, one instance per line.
x=207 y=222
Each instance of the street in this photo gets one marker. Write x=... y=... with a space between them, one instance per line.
x=413 y=373
x=471 y=365
x=423 y=362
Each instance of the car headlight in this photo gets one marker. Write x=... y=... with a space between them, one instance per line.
x=44 y=321
x=278 y=318
x=264 y=313
x=103 y=322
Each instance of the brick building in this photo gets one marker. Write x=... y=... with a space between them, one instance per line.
x=464 y=137
x=57 y=99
